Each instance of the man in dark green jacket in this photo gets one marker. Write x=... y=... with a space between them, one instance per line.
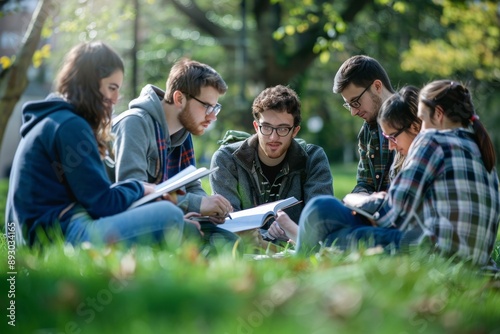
x=271 y=165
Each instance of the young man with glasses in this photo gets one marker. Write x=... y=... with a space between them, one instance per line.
x=153 y=138
x=271 y=165
x=364 y=86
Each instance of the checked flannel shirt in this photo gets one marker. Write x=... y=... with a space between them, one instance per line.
x=445 y=191
x=375 y=159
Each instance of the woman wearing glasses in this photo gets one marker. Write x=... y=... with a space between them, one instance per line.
x=447 y=191
x=400 y=124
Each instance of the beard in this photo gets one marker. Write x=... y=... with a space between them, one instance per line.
x=377 y=104
x=276 y=152
x=189 y=123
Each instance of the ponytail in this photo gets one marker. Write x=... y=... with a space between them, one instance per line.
x=456 y=102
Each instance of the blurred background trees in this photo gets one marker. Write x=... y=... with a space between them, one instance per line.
x=300 y=43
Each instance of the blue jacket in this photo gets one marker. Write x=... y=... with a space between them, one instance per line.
x=57 y=165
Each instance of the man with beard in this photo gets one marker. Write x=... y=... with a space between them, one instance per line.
x=364 y=86
x=153 y=138
x=270 y=165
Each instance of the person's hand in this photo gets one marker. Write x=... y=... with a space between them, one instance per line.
x=217 y=207
x=286 y=224
x=359 y=199
x=277 y=232
x=149 y=188
x=380 y=194
x=187 y=219
x=172 y=196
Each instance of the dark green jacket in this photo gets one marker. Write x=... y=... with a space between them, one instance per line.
x=306 y=174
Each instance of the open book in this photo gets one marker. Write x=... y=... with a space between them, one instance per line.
x=363 y=204
x=360 y=211
x=256 y=217
x=179 y=180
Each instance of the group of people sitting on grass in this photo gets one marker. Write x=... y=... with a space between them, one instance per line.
x=427 y=164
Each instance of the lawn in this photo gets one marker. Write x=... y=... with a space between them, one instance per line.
x=62 y=289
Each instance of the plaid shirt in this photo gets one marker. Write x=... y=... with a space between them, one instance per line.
x=375 y=159
x=445 y=192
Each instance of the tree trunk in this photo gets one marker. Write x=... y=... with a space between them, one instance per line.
x=14 y=80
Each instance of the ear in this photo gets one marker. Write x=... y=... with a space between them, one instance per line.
x=415 y=128
x=256 y=126
x=439 y=115
x=295 y=131
x=378 y=85
x=178 y=98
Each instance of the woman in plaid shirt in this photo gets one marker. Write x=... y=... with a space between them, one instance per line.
x=447 y=191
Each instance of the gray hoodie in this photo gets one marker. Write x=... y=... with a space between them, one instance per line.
x=135 y=149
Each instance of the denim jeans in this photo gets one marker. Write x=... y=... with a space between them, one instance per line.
x=326 y=220
x=150 y=223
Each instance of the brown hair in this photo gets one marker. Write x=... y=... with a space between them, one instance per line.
x=79 y=80
x=280 y=99
x=361 y=71
x=400 y=111
x=189 y=76
x=456 y=102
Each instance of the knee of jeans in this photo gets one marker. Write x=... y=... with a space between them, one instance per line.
x=325 y=203
x=321 y=208
x=320 y=203
x=171 y=212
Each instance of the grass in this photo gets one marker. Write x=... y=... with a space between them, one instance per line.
x=143 y=290
x=150 y=290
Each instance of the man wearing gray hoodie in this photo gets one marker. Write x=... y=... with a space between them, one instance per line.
x=153 y=137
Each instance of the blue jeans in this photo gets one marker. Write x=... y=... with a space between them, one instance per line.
x=150 y=223
x=326 y=220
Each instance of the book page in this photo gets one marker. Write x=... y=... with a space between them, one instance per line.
x=184 y=177
x=255 y=217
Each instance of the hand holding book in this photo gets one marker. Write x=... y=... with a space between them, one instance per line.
x=180 y=180
x=366 y=205
x=256 y=217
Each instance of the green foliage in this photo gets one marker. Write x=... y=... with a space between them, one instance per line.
x=344 y=179
x=469 y=47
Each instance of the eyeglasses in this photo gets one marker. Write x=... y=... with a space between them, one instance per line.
x=281 y=131
x=210 y=108
x=393 y=137
x=355 y=102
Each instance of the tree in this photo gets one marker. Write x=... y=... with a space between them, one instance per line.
x=13 y=80
x=287 y=37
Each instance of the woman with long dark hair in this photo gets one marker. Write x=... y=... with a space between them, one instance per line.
x=58 y=181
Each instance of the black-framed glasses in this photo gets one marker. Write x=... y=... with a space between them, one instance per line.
x=393 y=136
x=355 y=102
x=209 y=108
x=281 y=131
